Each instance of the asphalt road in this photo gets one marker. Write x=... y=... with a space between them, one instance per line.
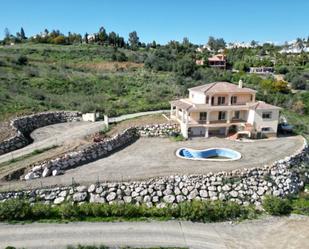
x=271 y=232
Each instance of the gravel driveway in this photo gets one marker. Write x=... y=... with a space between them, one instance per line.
x=152 y=157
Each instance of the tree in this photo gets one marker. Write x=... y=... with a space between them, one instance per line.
x=186 y=66
x=86 y=38
x=22 y=34
x=299 y=43
x=254 y=43
x=133 y=40
x=102 y=36
x=112 y=38
x=216 y=44
x=7 y=33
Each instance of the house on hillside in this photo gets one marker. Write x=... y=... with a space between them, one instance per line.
x=261 y=70
x=217 y=61
x=225 y=109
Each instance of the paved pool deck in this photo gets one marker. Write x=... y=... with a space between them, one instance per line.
x=153 y=157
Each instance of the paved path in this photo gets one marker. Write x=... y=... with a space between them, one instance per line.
x=271 y=232
x=58 y=134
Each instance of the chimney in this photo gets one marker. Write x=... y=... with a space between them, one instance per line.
x=240 y=84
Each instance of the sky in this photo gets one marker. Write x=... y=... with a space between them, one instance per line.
x=163 y=20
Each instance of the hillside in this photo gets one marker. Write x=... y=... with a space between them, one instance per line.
x=90 y=77
x=37 y=77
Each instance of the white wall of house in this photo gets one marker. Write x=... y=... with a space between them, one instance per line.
x=271 y=123
x=197 y=98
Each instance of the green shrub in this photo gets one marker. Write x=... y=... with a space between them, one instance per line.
x=14 y=209
x=68 y=211
x=277 y=206
x=301 y=206
x=40 y=210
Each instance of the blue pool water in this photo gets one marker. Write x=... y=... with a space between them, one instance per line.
x=209 y=154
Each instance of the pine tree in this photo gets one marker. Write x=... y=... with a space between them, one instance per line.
x=22 y=34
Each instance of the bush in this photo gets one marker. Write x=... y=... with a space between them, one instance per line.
x=40 y=210
x=68 y=211
x=277 y=206
x=14 y=209
x=22 y=60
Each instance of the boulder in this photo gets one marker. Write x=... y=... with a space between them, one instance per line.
x=111 y=196
x=78 y=197
x=169 y=198
x=59 y=200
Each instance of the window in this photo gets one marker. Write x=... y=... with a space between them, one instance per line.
x=221 y=116
x=266 y=115
x=203 y=115
x=234 y=100
x=266 y=129
x=192 y=95
x=236 y=114
x=221 y=100
x=207 y=99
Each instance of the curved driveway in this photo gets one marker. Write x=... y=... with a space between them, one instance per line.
x=271 y=232
x=59 y=134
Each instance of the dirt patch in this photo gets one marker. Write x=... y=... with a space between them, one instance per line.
x=12 y=171
x=111 y=66
x=5 y=131
x=119 y=127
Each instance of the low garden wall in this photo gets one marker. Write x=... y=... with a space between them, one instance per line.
x=97 y=150
x=246 y=186
x=24 y=125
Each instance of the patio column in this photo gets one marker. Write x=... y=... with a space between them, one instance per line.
x=228 y=118
x=208 y=118
x=229 y=99
x=206 y=133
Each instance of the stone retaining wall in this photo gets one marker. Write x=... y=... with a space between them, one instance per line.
x=244 y=186
x=23 y=126
x=88 y=154
x=97 y=150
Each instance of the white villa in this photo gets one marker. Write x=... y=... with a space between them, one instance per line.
x=223 y=108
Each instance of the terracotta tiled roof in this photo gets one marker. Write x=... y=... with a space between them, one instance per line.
x=218 y=57
x=221 y=87
x=182 y=104
x=261 y=105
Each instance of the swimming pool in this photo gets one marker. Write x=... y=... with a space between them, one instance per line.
x=212 y=154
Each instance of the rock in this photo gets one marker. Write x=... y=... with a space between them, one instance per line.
x=127 y=199
x=59 y=200
x=51 y=196
x=29 y=176
x=96 y=198
x=81 y=189
x=222 y=196
x=111 y=196
x=63 y=193
x=134 y=194
x=203 y=193
x=234 y=193
x=55 y=172
x=46 y=172
x=169 y=198
x=91 y=188
x=78 y=197
x=180 y=198
x=192 y=194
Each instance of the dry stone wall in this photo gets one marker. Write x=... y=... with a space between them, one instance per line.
x=24 y=125
x=97 y=150
x=246 y=186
